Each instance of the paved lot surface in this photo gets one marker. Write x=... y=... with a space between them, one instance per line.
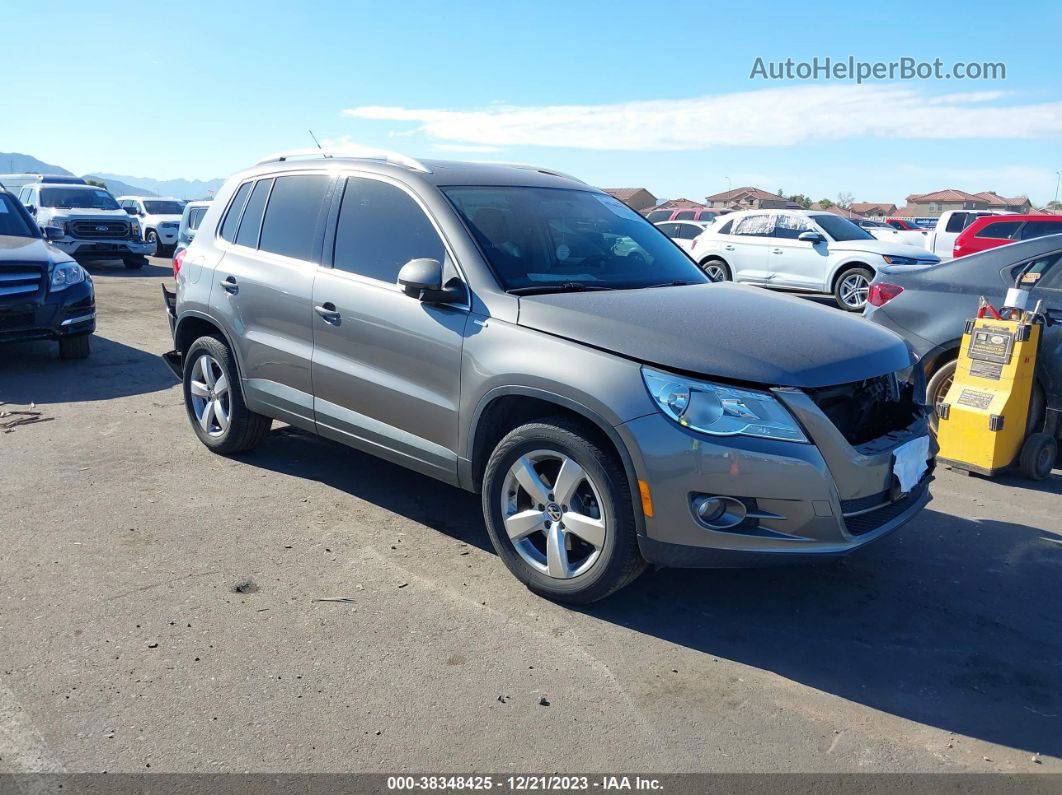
x=124 y=647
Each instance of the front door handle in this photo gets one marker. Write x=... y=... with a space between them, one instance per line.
x=728 y=247
x=230 y=286
x=776 y=251
x=328 y=312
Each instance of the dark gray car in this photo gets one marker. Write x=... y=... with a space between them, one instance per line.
x=930 y=306
x=515 y=332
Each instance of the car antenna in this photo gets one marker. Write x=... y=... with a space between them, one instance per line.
x=315 y=139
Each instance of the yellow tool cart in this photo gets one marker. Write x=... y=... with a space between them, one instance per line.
x=984 y=420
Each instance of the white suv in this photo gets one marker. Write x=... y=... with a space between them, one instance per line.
x=160 y=216
x=801 y=250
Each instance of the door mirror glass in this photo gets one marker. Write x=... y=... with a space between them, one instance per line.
x=131 y=210
x=53 y=233
x=812 y=237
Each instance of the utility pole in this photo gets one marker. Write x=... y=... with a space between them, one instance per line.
x=1058 y=178
x=728 y=188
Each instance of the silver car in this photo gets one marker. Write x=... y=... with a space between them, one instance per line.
x=517 y=333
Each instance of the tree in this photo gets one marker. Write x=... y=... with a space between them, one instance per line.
x=825 y=204
x=844 y=200
x=97 y=183
x=1054 y=205
x=801 y=199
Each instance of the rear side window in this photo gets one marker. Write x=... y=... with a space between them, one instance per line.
x=195 y=217
x=381 y=229
x=1040 y=228
x=251 y=224
x=957 y=222
x=291 y=223
x=232 y=217
x=685 y=215
x=755 y=226
x=658 y=215
x=1001 y=230
x=725 y=228
x=687 y=231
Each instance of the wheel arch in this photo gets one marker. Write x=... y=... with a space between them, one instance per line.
x=507 y=407
x=192 y=326
x=852 y=263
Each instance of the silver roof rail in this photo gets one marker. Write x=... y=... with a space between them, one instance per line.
x=351 y=151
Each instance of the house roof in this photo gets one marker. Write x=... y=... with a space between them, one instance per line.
x=625 y=193
x=946 y=195
x=907 y=212
x=736 y=193
x=672 y=204
x=868 y=207
x=835 y=210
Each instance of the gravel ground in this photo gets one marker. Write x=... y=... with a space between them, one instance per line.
x=158 y=611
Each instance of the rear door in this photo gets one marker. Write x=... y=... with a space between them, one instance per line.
x=747 y=248
x=263 y=289
x=386 y=367
x=1044 y=279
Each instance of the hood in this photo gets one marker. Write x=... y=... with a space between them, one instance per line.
x=85 y=214
x=885 y=247
x=29 y=249
x=725 y=330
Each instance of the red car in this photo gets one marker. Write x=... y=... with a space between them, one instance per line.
x=685 y=214
x=904 y=224
x=990 y=231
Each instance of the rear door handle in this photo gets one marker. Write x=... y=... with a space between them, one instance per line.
x=328 y=312
x=776 y=251
x=230 y=285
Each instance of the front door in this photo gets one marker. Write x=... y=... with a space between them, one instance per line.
x=386 y=367
x=796 y=263
x=1044 y=278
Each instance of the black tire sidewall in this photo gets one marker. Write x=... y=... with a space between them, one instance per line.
x=611 y=570
x=728 y=276
x=848 y=271
x=239 y=415
x=76 y=347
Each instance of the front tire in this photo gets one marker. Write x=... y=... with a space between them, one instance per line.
x=716 y=270
x=213 y=398
x=74 y=347
x=559 y=512
x=153 y=237
x=134 y=263
x=852 y=287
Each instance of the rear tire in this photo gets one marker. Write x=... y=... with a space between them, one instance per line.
x=74 y=347
x=937 y=389
x=851 y=289
x=1038 y=456
x=716 y=269
x=597 y=553
x=213 y=398
x=134 y=263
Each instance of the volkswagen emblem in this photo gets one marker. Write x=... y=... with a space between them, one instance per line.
x=554 y=512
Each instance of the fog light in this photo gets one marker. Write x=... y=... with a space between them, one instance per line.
x=719 y=513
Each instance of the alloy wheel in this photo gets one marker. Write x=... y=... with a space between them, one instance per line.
x=211 y=396
x=854 y=290
x=553 y=514
x=715 y=272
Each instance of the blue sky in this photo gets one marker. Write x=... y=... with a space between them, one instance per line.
x=621 y=93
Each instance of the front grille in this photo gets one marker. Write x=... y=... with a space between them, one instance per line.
x=869 y=409
x=870 y=521
x=20 y=281
x=97 y=230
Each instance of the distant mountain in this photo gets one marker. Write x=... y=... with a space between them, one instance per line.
x=181 y=188
x=119 y=188
x=15 y=163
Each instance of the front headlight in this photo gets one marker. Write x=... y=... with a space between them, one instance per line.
x=135 y=225
x=721 y=410
x=58 y=222
x=65 y=274
x=892 y=259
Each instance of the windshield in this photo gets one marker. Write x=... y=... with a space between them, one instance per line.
x=163 y=207
x=68 y=198
x=841 y=228
x=569 y=239
x=12 y=218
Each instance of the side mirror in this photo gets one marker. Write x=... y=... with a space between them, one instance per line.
x=131 y=210
x=422 y=279
x=53 y=233
x=31 y=209
x=811 y=237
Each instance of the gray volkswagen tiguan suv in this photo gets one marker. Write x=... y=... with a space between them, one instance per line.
x=515 y=332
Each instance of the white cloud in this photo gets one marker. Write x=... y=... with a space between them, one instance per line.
x=772 y=117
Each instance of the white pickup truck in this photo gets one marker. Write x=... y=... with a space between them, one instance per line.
x=941 y=238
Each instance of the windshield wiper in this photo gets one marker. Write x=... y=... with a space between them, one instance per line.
x=668 y=284
x=564 y=287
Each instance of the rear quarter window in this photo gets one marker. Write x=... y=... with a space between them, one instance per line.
x=1040 y=228
x=232 y=216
